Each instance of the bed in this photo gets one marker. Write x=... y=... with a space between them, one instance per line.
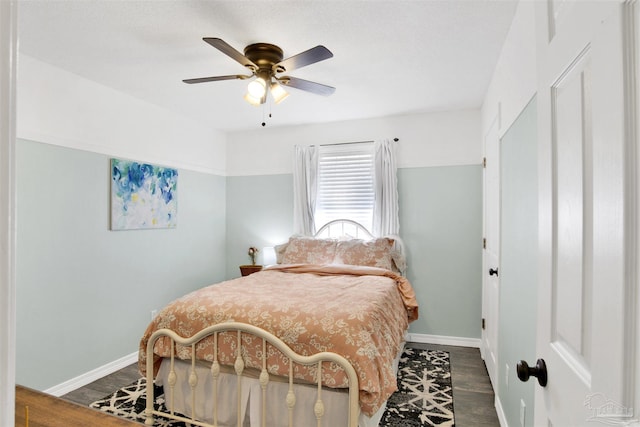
x=343 y=299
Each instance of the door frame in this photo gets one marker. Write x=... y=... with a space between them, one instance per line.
x=636 y=130
x=8 y=68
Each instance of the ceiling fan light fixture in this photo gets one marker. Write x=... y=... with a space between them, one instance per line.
x=257 y=88
x=278 y=92
x=252 y=99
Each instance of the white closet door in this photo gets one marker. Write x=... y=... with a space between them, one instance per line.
x=491 y=258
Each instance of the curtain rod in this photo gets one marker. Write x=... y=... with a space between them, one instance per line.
x=353 y=142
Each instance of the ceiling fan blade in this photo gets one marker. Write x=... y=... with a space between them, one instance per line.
x=217 y=78
x=313 y=87
x=228 y=50
x=311 y=56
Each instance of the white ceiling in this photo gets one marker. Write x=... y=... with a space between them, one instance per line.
x=390 y=57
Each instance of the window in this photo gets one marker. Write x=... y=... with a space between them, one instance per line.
x=355 y=181
x=345 y=184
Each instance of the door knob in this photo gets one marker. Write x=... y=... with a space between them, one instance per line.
x=539 y=371
x=493 y=271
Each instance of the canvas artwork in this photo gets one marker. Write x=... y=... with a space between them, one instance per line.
x=143 y=195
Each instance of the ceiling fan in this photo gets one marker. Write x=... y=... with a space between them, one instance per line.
x=266 y=64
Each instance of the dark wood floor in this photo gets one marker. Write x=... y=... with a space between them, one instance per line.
x=473 y=398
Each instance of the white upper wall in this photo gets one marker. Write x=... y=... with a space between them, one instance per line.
x=514 y=80
x=61 y=108
x=429 y=139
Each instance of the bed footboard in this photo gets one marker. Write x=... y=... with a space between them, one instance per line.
x=239 y=366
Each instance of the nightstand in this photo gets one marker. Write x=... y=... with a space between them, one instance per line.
x=246 y=270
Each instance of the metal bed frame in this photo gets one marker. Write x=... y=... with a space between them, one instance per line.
x=267 y=338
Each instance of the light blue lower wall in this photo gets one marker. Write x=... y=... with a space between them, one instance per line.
x=85 y=293
x=518 y=265
x=441 y=224
x=259 y=214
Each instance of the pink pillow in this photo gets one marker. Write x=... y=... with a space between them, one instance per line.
x=280 y=250
x=307 y=250
x=371 y=253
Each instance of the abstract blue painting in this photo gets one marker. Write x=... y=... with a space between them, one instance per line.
x=143 y=195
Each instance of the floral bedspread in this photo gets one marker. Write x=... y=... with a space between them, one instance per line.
x=358 y=312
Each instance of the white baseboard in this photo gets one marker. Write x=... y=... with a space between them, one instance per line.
x=500 y=411
x=89 y=377
x=444 y=340
x=109 y=368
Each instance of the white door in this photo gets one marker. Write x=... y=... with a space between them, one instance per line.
x=491 y=258
x=587 y=216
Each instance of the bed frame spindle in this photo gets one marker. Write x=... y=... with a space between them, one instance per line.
x=173 y=378
x=264 y=381
x=291 y=396
x=193 y=381
x=318 y=408
x=215 y=373
x=239 y=367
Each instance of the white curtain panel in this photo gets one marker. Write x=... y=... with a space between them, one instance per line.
x=385 y=213
x=305 y=169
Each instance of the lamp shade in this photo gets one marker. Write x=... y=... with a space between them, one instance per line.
x=252 y=99
x=257 y=88
x=269 y=256
x=278 y=92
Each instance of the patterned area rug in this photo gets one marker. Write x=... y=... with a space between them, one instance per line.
x=424 y=397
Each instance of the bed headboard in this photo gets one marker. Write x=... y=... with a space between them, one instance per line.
x=343 y=228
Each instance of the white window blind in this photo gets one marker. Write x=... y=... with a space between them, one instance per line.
x=345 y=184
